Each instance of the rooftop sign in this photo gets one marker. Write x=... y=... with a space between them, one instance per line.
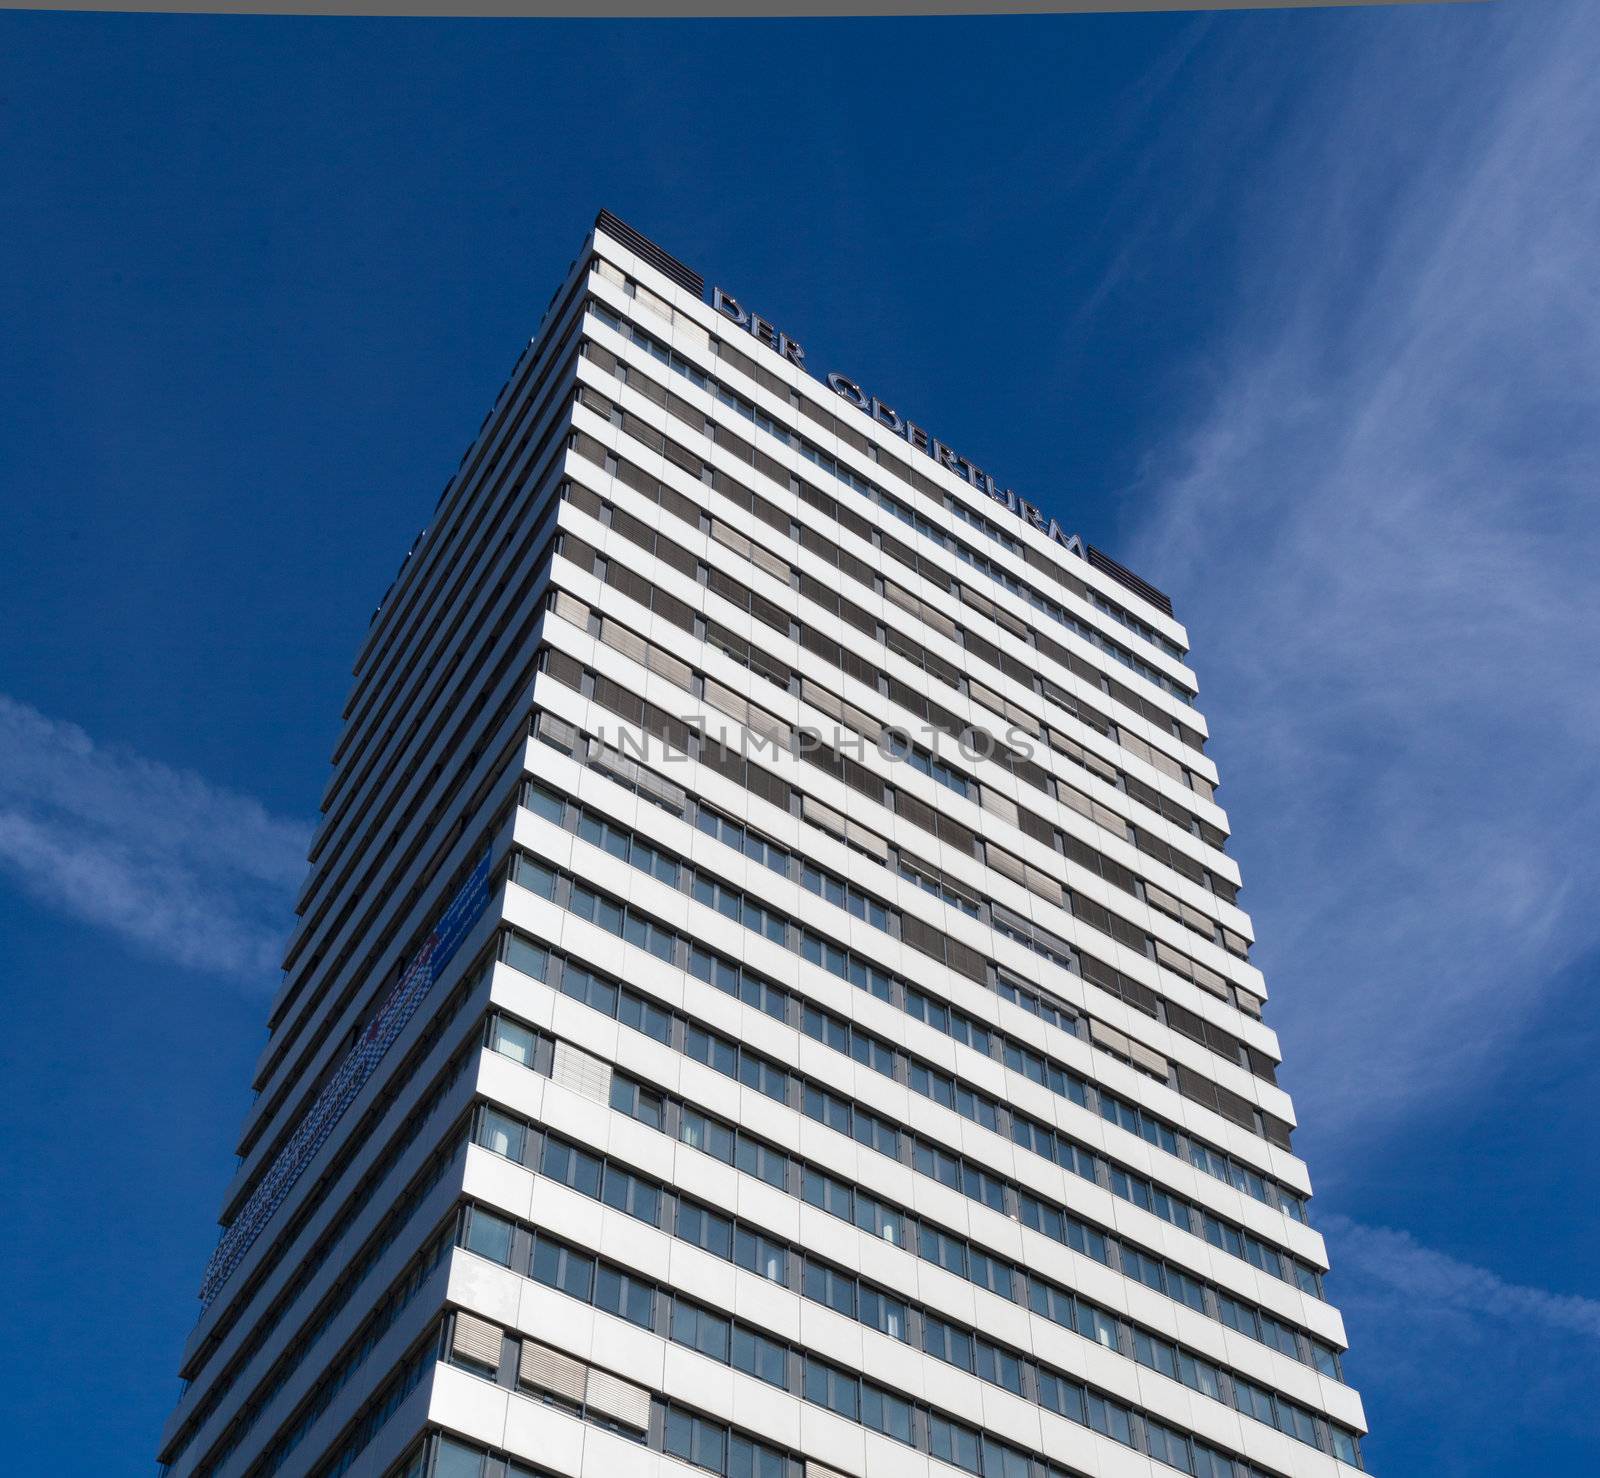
x=888 y=417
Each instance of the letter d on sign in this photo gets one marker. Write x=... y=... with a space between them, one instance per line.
x=729 y=307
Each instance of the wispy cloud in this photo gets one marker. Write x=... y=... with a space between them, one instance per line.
x=1382 y=527
x=191 y=872
x=1480 y=1374
x=1386 y=1264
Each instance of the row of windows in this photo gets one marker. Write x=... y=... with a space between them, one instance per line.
x=637 y=928
x=378 y=1410
x=831 y=599
x=959 y=956
x=660 y=1111
x=627 y=846
x=841 y=472
x=922 y=1238
x=696 y=1439
x=850 y=434
x=332 y=1379
x=871 y=1214
x=1186 y=1082
x=779 y=1083
x=489 y=522
x=974 y=558
x=640 y=780
x=446 y=669
x=855 y=664
x=1038 y=881
x=316 y=1257
x=898 y=746
x=581 y=1275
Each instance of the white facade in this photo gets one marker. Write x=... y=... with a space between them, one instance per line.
x=761 y=1107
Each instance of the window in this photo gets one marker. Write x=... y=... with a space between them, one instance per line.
x=954 y=1443
x=1344 y=1446
x=989 y=1272
x=584 y=986
x=899 y=748
x=765 y=1077
x=715 y=1052
x=843 y=895
x=764 y=996
x=696 y=1440
x=1199 y=1375
x=829 y=1030
x=662 y=943
x=502 y=1134
x=949 y=1020
x=1156 y=1354
x=705 y=1229
x=645 y=1016
x=1001 y=1460
x=941 y=1248
x=742 y=839
x=452 y=1460
x=638 y=1102
x=1253 y=1401
x=1168 y=1447
x=881 y=1312
x=534 y=876
x=1062 y=1396
x=762 y=1161
x=543 y=803
x=1236 y=1315
x=825 y=1286
x=999 y=1367
x=876 y=1134
x=1093 y=1323
x=570 y=1166
x=511 y=1040
x=557 y=1266
x=871 y=1215
x=761 y=1357
x=945 y=1342
x=701 y=1133
x=1297 y=1422
x=629 y=1194
x=489 y=1236
x=1185 y=1289
x=838 y=1391
x=885 y=1412
x=619 y=1293
x=870 y=1052
x=1279 y=1336
x=522 y=955
x=701 y=1330
x=747 y=1459
x=833 y=1196
x=1109 y=1419
x=827 y=1109
x=761 y=1255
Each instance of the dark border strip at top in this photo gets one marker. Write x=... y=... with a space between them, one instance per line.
x=646 y=250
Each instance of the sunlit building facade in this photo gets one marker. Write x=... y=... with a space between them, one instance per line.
x=770 y=996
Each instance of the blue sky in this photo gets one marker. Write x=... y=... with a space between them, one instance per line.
x=1296 y=313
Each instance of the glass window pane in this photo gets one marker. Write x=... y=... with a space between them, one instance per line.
x=489 y=1236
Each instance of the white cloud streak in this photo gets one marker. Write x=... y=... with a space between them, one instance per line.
x=1392 y=1266
x=1381 y=525
x=190 y=872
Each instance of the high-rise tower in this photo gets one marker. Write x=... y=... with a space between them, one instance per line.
x=769 y=994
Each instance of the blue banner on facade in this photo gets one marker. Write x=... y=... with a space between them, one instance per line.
x=346 y=1084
